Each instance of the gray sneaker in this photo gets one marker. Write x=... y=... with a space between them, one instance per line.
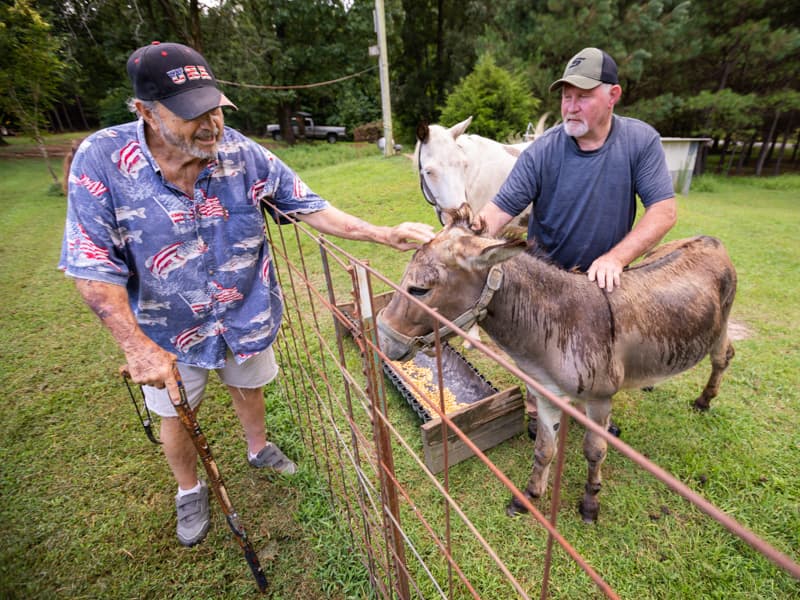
x=271 y=456
x=193 y=518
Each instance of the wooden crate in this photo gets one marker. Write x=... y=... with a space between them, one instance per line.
x=488 y=417
x=487 y=423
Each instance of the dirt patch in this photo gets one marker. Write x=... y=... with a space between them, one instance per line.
x=54 y=151
x=738 y=331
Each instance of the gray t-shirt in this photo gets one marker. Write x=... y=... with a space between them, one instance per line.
x=584 y=203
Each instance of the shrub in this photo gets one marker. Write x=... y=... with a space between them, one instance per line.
x=499 y=101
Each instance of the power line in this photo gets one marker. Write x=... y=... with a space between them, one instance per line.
x=296 y=87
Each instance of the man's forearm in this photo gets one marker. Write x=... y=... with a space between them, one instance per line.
x=341 y=224
x=494 y=219
x=648 y=232
x=336 y=222
x=147 y=362
x=110 y=303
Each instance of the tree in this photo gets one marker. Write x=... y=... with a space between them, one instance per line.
x=498 y=101
x=289 y=43
x=30 y=70
x=540 y=37
x=435 y=50
x=97 y=38
x=776 y=105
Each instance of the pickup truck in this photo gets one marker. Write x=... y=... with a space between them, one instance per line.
x=312 y=130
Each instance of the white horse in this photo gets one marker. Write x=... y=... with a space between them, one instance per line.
x=455 y=167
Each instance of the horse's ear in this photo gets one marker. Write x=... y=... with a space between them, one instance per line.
x=423 y=131
x=541 y=125
x=459 y=128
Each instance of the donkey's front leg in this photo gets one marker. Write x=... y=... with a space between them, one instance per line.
x=549 y=420
x=594 y=449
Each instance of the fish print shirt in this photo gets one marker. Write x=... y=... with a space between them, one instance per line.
x=198 y=271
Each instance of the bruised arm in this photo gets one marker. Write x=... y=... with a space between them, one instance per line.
x=333 y=221
x=147 y=362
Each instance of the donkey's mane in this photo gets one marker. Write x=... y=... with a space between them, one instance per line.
x=464 y=218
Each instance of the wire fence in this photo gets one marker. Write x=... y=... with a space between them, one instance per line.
x=394 y=488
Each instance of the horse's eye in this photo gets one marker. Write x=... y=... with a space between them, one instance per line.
x=417 y=292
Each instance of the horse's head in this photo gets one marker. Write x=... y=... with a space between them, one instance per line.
x=453 y=274
x=441 y=165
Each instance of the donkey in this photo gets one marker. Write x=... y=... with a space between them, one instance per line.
x=562 y=330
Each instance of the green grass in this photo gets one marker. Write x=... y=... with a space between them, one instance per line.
x=87 y=508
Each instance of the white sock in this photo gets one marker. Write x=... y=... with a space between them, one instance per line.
x=194 y=490
x=251 y=456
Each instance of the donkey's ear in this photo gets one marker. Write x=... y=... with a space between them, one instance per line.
x=499 y=252
x=448 y=215
x=423 y=131
x=459 y=128
x=461 y=216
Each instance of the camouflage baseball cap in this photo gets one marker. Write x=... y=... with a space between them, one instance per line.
x=587 y=69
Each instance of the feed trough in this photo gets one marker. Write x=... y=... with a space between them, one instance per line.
x=463 y=384
x=487 y=415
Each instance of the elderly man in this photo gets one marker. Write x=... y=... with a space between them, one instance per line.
x=165 y=239
x=582 y=178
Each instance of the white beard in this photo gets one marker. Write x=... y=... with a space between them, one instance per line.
x=187 y=147
x=576 y=128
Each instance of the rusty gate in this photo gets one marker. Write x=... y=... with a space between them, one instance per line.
x=387 y=437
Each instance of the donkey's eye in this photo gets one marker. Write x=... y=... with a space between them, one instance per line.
x=417 y=292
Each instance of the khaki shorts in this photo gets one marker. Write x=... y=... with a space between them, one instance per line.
x=256 y=371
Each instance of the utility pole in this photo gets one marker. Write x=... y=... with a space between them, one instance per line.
x=383 y=69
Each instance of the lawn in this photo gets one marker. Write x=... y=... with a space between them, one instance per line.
x=87 y=507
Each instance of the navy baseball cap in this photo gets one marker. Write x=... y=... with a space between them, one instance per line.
x=176 y=76
x=587 y=69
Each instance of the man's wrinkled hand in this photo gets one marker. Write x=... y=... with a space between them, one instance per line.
x=151 y=366
x=407 y=236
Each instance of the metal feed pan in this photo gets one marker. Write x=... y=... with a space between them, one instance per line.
x=487 y=416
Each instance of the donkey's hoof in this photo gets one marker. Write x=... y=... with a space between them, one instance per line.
x=515 y=507
x=701 y=404
x=532 y=428
x=589 y=510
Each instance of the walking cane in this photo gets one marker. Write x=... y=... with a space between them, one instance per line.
x=191 y=425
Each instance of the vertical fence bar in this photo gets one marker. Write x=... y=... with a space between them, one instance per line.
x=383 y=442
x=555 y=500
x=340 y=333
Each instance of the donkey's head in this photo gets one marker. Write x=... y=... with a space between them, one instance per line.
x=452 y=274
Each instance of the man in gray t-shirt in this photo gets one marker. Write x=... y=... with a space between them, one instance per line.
x=582 y=178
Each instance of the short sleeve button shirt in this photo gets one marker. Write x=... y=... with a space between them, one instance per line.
x=197 y=269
